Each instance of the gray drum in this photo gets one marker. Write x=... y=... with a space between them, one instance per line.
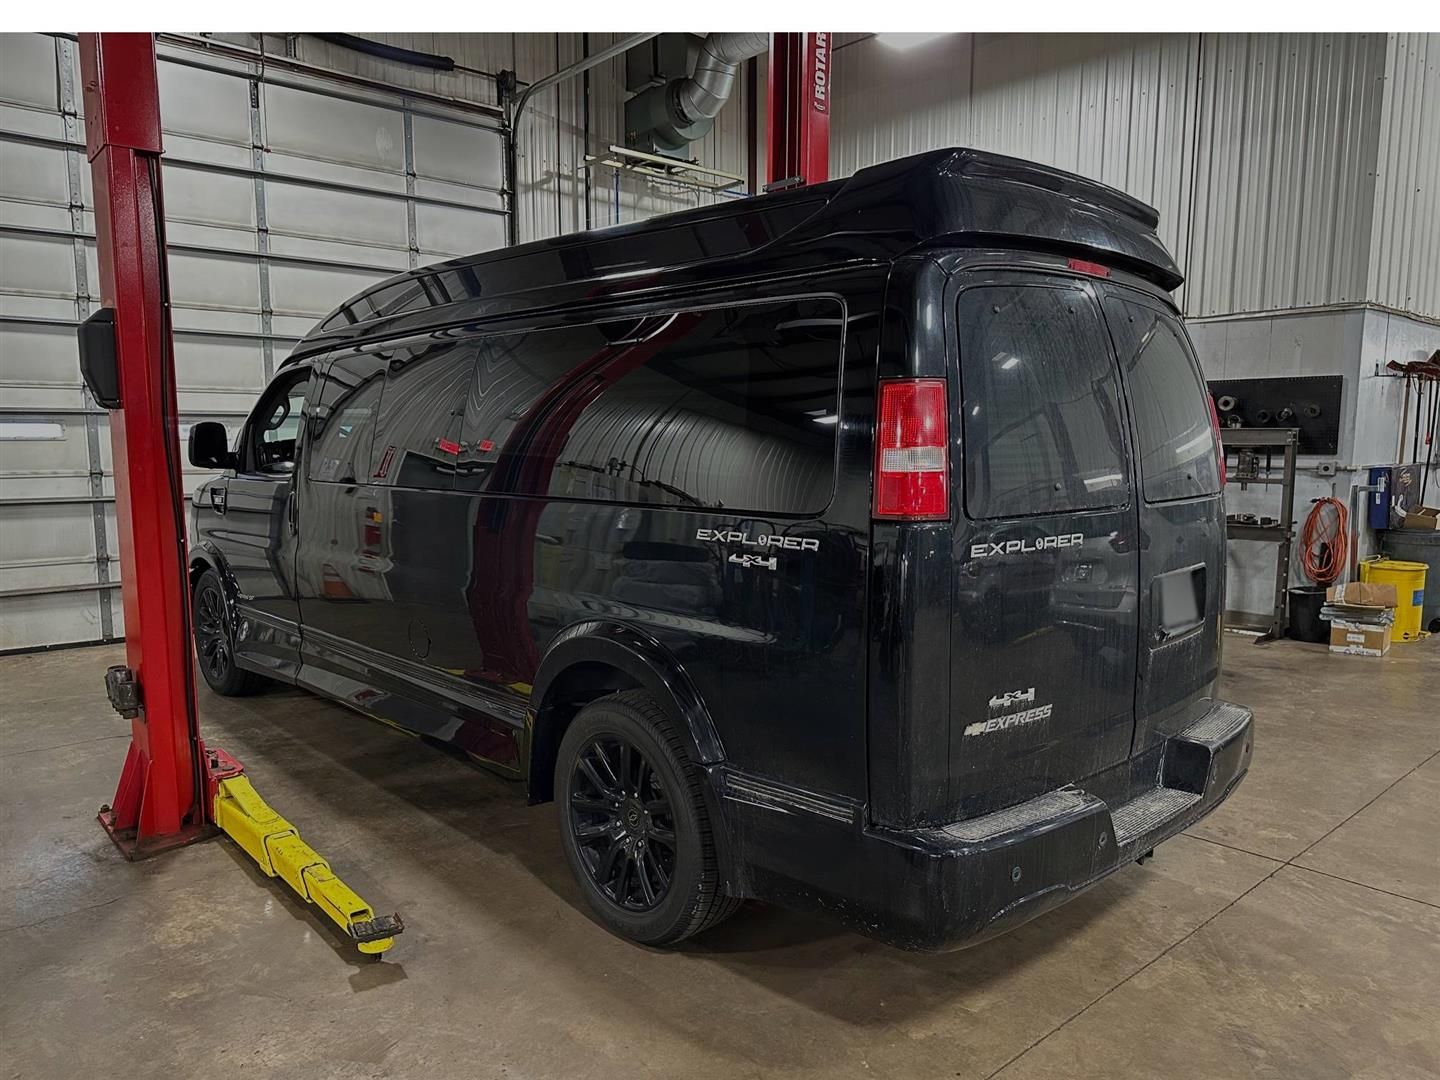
x=1422 y=546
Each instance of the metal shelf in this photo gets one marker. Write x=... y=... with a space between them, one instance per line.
x=1235 y=530
x=1286 y=441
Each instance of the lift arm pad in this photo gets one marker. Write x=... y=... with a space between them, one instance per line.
x=275 y=844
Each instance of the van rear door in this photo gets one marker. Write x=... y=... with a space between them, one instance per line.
x=1181 y=514
x=1043 y=637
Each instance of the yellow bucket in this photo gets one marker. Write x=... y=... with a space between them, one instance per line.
x=1409 y=581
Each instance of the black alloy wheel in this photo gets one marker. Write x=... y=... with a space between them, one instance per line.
x=623 y=824
x=635 y=822
x=215 y=642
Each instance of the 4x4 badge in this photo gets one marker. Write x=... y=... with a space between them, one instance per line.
x=748 y=561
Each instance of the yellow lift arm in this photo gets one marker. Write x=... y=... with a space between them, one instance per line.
x=275 y=844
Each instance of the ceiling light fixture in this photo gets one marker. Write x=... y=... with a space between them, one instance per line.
x=906 y=41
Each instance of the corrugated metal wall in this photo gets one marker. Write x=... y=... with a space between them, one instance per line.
x=1405 y=257
x=1259 y=150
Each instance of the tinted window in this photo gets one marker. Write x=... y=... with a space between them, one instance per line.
x=342 y=415
x=1172 y=420
x=731 y=408
x=417 y=436
x=275 y=427
x=1039 y=404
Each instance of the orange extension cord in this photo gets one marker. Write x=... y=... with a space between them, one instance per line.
x=1325 y=541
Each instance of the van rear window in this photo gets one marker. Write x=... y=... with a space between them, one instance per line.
x=1039 y=403
x=1172 y=420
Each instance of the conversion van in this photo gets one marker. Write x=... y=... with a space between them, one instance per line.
x=857 y=548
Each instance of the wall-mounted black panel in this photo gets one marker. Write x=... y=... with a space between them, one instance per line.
x=1309 y=402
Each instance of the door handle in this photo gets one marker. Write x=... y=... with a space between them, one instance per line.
x=290 y=511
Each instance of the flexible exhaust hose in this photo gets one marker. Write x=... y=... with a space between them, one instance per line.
x=704 y=93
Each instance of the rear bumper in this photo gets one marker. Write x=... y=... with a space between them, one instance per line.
x=959 y=884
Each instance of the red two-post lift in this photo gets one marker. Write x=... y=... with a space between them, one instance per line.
x=172 y=790
x=798 y=112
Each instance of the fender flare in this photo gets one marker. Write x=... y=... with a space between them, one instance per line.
x=644 y=660
x=206 y=556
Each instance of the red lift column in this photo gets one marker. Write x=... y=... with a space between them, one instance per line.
x=798 y=114
x=158 y=803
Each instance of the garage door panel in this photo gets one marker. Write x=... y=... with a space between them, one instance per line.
x=39 y=355
x=333 y=188
x=329 y=172
x=443 y=191
x=192 y=152
x=204 y=104
x=315 y=290
x=34 y=174
x=385 y=260
x=28 y=621
x=219 y=364
x=292 y=328
x=311 y=125
x=216 y=281
x=297 y=210
x=444 y=231
x=48 y=534
x=209 y=198
x=461 y=153
x=184 y=234
x=42 y=446
x=37 y=265
x=192 y=322
x=231 y=403
x=27 y=71
x=49 y=575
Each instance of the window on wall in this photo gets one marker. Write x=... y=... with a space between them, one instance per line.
x=1176 y=443
x=1039 y=403
x=731 y=408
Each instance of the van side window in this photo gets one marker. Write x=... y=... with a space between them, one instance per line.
x=731 y=408
x=274 y=427
x=342 y=414
x=1040 y=403
x=417 y=437
x=1176 y=443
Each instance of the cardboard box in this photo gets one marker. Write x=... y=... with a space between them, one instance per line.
x=1363 y=594
x=1422 y=517
x=1358 y=639
x=1361 y=614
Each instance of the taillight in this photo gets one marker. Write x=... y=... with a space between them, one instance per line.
x=912 y=451
x=1219 y=446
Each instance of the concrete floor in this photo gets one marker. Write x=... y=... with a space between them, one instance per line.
x=1295 y=933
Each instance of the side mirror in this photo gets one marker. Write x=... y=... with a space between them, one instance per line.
x=210 y=446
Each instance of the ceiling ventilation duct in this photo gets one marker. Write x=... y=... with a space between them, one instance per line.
x=671 y=113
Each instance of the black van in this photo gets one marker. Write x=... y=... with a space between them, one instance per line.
x=858 y=548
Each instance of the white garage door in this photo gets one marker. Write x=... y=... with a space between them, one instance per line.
x=284 y=195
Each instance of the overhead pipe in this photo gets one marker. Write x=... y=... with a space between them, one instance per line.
x=711 y=84
x=684 y=109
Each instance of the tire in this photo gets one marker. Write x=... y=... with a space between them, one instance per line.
x=634 y=824
x=214 y=633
